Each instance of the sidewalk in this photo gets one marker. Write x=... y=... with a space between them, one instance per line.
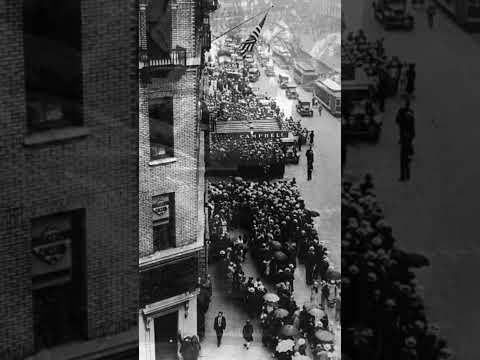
x=435 y=213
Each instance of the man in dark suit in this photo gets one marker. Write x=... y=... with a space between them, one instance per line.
x=219 y=326
x=406 y=125
x=309 y=155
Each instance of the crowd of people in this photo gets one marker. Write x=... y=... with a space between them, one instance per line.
x=278 y=231
x=383 y=312
x=253 y=158
x=232 y=101
x=390 y=75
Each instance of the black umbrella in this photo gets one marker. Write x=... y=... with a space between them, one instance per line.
x=280 y=256
x=410 y=259
x=333 y=275
x=289 y=330
x=275 y=245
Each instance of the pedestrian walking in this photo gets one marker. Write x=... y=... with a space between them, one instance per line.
x=406 y=125
x=325 y=294
x=247 y=333
x=309 y=155
x=299 y=142
x=431 y=11
x=411 y=75
x=311 y=138
x=315 y=295
x=309 y=171
x=219 y=326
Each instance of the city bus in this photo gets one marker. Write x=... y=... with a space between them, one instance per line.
x=304 y=74
x=328 y=93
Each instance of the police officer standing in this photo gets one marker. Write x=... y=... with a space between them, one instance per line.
x=406 y=125
x=309 y=155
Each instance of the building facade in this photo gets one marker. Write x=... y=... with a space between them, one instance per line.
x=173 y=37
x=69 y=180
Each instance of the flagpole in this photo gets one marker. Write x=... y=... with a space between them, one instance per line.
x=244 y=22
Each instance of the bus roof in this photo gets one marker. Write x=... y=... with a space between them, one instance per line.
x=304 y=67
x=330 y=84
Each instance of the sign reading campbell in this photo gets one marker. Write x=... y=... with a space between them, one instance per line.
x=251 y=135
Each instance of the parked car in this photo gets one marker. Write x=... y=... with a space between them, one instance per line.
x=304 y=108
x=291 y=91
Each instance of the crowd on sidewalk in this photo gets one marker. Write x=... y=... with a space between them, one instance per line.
x=231 y=100
x=278 y=230
x=383 y=314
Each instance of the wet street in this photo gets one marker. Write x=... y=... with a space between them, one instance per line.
x=435 y=212
x=322 y=194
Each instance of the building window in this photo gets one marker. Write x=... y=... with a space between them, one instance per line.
x=159 y=29
x=163 y=220
x=58 y=282
x=53 y=71
x=168 y=280
x=161 y=128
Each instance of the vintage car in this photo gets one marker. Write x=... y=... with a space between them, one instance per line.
x=269 y=71
x=358 y=125
x=291 y=155
x=283 y=80
x=291 y=91
x=393 y=14
x=253 y=74
x=304 y=108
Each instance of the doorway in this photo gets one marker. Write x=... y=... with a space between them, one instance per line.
x=166 y=330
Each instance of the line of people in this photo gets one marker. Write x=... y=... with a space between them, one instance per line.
x=383 y=313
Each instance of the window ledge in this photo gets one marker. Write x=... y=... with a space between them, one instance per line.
x=55 y=135
x=91 y=349
x=169 y=255
x=164 y=161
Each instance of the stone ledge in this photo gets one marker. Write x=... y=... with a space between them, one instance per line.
x=56 y=135
x=163 y=161
x=169 y=255
x=95 y=349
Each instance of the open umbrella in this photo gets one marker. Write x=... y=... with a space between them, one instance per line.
x=301 y=357
x=271 y=297
x=285 y=345
x=410 y=259
x=310 y=305
x=316 y=312
x=324 y=336
x=333 y=275
x=312 y=213
x=280 y=256
x=280 y=313
x=288 y=330
x=275 y=245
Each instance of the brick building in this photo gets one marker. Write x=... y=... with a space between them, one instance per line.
x=173 y=37
x=69 y=179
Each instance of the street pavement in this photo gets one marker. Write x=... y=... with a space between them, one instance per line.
x=436 y=213
x=322 y=194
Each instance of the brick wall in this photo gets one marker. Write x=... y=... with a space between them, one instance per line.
x=179 y=177
x=98 y=172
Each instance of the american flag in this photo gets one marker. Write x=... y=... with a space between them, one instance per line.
x=248 y=45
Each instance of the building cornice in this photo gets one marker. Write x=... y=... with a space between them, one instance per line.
x=164 y=257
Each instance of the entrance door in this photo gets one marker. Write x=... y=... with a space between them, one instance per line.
x=166 y=330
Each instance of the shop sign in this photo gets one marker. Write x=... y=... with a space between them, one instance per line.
x=54 y=254
x=251 y=135
x=161 y=208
